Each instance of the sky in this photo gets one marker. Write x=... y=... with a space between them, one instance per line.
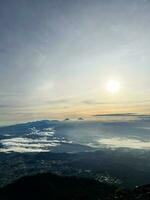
x=57 y=56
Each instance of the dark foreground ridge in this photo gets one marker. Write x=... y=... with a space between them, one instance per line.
x=49 y=186
x=53 y=187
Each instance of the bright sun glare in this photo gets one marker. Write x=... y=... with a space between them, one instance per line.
x=113 y=86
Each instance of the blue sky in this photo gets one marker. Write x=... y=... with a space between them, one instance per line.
x=56 y=57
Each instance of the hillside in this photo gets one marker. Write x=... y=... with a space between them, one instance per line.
x=54 y=187
x=49 y=186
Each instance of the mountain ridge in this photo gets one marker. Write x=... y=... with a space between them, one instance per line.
x=54 y=187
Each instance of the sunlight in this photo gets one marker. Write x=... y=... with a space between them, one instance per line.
x=113 y=86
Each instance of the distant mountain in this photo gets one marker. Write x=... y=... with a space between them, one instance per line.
x=53 y=187
x=25 y=128
x=39 y=136
x=67 y=119
x=80 y=119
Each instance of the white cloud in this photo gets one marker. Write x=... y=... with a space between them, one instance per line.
x=118 y=142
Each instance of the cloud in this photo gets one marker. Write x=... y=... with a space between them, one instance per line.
x=124 y=117
x=117 y=142
x=45 y=141
x=94 y=102
x=116 y=115
x=3 y=106
x=59 y=101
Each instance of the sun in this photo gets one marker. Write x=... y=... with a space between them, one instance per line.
x=113 y=86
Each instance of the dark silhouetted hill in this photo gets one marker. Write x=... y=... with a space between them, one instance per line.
x=49 y=186
x=54 y=187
